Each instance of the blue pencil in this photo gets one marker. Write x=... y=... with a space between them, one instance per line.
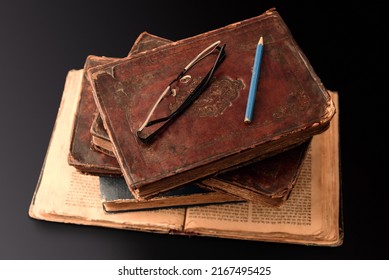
x=254 y=82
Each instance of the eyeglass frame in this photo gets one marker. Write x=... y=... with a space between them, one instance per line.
x=200 y=88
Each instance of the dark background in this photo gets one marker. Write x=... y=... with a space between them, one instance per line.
x=42 y=40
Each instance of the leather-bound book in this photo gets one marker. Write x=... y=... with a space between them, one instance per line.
x=100 y=138
x=95 y=160
x=270 y=180
x=81 y=155
x=292 y=105
x=116 y=197
x=267 y=181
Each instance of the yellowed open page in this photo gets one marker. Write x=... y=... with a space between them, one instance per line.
x=310 y=215
x=65 y=195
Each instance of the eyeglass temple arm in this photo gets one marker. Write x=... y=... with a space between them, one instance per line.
x=202 y=55
x=153 y=109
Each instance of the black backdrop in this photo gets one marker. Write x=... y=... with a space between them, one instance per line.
x=42 y=40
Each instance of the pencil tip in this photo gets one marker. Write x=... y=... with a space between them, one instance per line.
x=247 y=120
x=260 y=42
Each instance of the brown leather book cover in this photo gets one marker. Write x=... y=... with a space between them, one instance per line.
x=291 y=106
x=116 y=197
x=100 y=138
x=270 y=180
x=81 y=155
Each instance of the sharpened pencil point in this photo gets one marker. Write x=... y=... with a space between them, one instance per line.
x=260 y=42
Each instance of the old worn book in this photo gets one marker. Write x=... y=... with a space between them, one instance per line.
x=311 y=215
x=91 y=161
x=100 y=138
x=292 y=105
x=116 y=197
x=269 y=181
x=81 y=155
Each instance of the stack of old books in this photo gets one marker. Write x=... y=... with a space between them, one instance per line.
x=198 y=169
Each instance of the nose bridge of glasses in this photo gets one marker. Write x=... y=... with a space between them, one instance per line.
x=181 y=88
x=187 y=80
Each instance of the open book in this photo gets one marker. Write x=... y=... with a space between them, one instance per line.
x=310 y=216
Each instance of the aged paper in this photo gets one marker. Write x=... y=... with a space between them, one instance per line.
x=311 y=213
x=65 y=195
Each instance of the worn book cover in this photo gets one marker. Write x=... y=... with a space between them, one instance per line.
x=291 y=106
x=311 y=216
x=81 y=155
x=87 y=159
x=116 y=197
x=100 y=138
x=269 y=180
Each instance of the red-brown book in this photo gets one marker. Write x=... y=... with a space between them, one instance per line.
x=292 y=105
x=81 y=154
x=270 y=180
x=84 y=156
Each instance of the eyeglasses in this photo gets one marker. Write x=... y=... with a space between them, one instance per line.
x=158 y=124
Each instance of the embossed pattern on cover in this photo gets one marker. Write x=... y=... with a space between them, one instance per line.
x=291 y=106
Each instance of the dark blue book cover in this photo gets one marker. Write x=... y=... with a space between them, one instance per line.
x=116 y=197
